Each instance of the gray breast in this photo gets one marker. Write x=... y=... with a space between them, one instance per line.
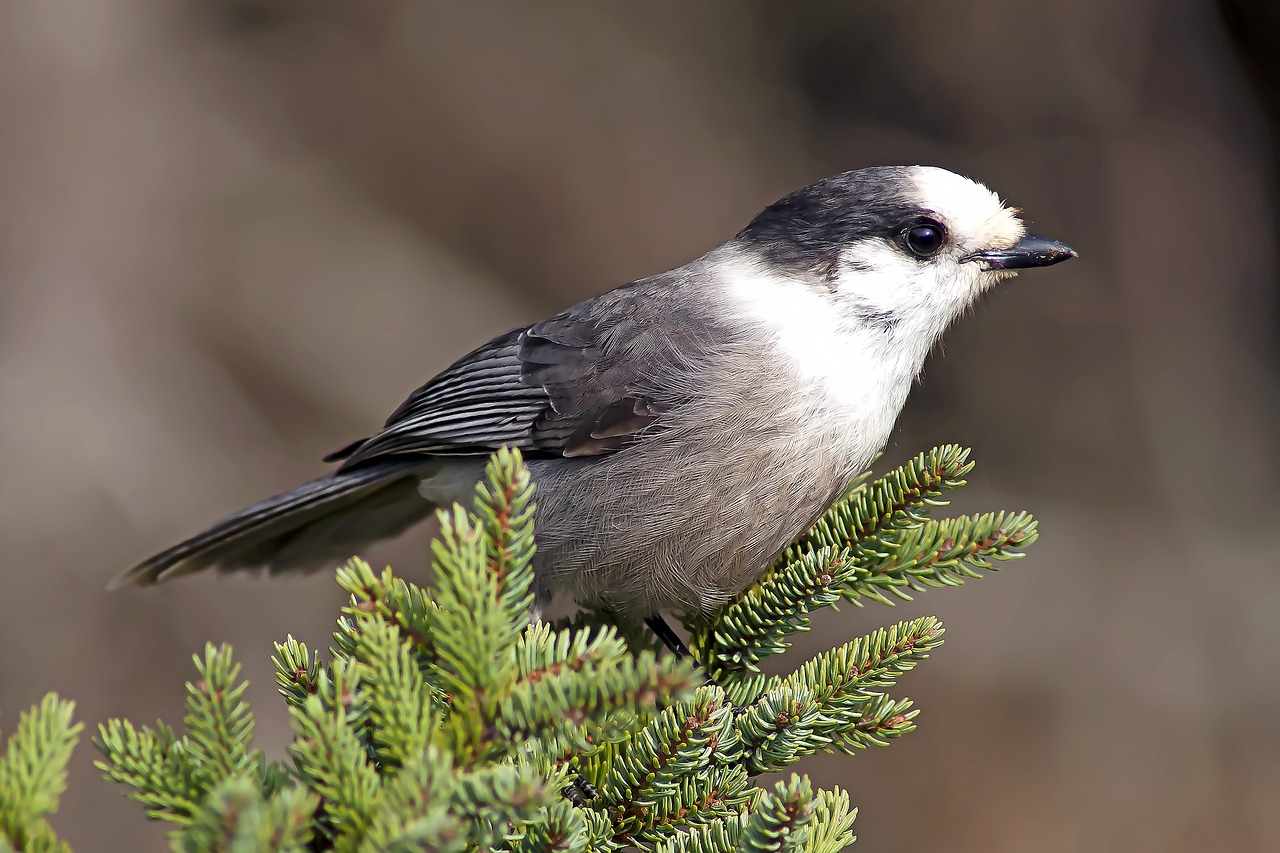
x=686 y=518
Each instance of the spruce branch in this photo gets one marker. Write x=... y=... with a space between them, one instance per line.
x=331 y=757
x=504 y=509
x=565 y=828
x=789 y=723
x=719 y=836
x=882 y=720
x=297 y=670
x=876 y=543
x=632 y=631
x=706 y=797
x=833 y=818
x=404 y=604
x=412 y=810
x=471 y=631
x=778 y=728
x=154 y=765
x=901 y=498
x=833 y=695
x=581 y=679
x=781 y=820
x=497 y=798
x=937 y=554
x=683 y=742
x=731 y=644
x=401 y=712
x=377 y=600
x=219 y=723
x=447 y=720
x=235 y=816
x=289 y=819
x=33 y=774
x=843 y=677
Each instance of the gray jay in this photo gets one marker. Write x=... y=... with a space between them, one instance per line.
x=682 y=429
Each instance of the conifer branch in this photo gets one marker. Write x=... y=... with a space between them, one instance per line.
x=288 y=819
x=686 y=740
x=219 y=724
x=331 y=757
x=937 y=554
x=778 y=728
x=33 y=774
x=719 y=836
x=412 y=809
x=876 y=543
x=902 y=498
x=580 y=679
x=403 y=604
x=631 y=631
x=833 y=818
x=882 y=720
x=759 y=624
x=446 y=720
x=401 y=712
x=495 y=799
x=236 y=816
x=867 y=663
x=807 y=711
x=473 y=662
x=153 y=764
x=483 y=591
x=709 y=796
x=781 y=820
x=504 y=508
x=566 y=828
x=297 y=670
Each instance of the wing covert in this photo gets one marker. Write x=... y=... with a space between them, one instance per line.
x=568 y=386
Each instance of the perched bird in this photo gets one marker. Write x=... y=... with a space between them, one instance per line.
x=682 y=429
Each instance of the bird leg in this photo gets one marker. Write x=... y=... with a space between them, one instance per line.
x=667 y=635
x=672 y=641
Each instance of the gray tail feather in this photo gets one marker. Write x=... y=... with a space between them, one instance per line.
x=301 y=530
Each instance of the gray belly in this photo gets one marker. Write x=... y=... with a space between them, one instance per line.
x=688 y=516
x=657 y=528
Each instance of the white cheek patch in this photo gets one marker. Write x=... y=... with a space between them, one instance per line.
x=878 y=282
x=877 y=273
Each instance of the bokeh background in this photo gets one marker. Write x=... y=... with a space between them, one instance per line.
x=235 y=233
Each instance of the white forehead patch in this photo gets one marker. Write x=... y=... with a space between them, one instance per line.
x=973 y=213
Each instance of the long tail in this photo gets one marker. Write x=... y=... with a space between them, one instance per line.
x=302 y=530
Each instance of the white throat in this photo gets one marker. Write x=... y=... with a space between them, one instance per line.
x=861 y=370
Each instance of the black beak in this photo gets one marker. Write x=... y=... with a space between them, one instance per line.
x=1031 y=251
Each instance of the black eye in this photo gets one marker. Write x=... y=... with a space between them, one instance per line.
x=925 y=239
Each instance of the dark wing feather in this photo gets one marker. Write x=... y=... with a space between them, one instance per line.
x=577 y=384
x=344 y=451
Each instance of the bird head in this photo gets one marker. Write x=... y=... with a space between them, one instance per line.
x=897 y=246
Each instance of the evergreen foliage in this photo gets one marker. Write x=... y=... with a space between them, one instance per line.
x=33 y=775
x=445 y=720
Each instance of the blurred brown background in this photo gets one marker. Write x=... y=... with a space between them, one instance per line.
x=235 y=233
